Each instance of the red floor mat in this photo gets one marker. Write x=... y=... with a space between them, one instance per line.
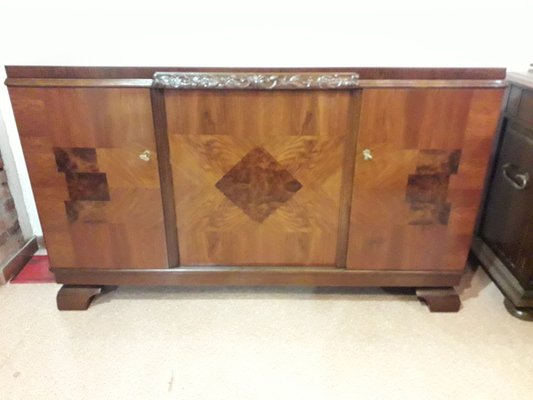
x=35 y=271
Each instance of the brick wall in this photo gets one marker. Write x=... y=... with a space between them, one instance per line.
x=11 y=238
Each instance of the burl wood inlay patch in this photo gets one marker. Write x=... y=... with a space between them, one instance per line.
x=258 y=184
x=75 y=159
x=427 y=190
x=84 y=181
x=87 y=186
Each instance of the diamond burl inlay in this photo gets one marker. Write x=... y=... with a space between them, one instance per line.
x=258 y=184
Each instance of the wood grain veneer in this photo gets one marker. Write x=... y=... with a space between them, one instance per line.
x=415 y=204
x=258 y=175
x=99 y=204
x=144 y=185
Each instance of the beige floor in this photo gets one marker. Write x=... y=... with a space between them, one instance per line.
x=262 y=344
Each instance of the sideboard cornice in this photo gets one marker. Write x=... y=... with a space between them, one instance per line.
x=20 y=76
x=65 y=72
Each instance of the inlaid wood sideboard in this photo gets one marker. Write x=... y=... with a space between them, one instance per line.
x=319 y=177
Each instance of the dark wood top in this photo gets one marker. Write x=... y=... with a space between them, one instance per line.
x=49 y=72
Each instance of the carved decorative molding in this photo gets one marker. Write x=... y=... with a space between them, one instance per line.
x=247 y=80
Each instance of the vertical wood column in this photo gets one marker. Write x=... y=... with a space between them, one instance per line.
x=347 y=180
x=165 y=175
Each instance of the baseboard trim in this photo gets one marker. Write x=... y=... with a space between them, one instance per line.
x=13 y=265
x=40 y=242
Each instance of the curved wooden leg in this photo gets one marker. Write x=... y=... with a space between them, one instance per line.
x=440 y=299
x=74 y=297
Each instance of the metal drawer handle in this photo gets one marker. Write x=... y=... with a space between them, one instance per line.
x=519 y=181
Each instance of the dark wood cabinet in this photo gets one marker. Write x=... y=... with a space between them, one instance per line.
x=508 y=215
x=504 y=241
x=349 y=177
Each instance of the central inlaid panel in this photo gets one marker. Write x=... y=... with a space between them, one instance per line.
x=257 y=174
x=258 y=184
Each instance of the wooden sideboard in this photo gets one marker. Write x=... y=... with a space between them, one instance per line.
x=320 y=177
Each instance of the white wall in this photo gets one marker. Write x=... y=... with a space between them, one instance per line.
x=15 y=170
x=447 y=33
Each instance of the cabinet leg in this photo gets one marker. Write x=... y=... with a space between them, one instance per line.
x=74 y=297
x=525 y=314
x=440 y=299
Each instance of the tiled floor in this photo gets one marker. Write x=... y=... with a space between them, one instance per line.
x=268 y=343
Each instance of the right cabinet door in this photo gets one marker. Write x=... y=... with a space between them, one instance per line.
x=421 y=160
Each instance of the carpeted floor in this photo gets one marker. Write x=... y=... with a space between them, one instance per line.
x=266 y=343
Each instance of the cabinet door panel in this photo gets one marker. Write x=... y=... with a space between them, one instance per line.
x=99 y=204
x=257 y=174
x=508 y=222
x=415 y=203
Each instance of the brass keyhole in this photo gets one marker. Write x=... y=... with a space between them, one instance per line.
x=145 y=155
x=367 y=155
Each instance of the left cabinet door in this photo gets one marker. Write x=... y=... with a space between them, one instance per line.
x=99 y=202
